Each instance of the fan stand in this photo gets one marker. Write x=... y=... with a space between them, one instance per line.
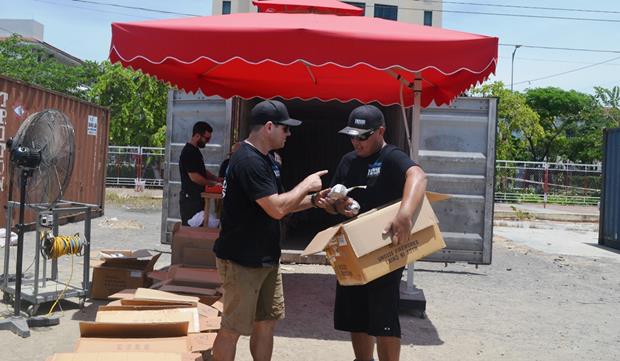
x=17 y=323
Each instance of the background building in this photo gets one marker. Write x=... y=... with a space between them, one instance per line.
x=409 y=11
x=31 y=32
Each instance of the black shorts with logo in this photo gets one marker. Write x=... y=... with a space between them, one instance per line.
x=371 y=308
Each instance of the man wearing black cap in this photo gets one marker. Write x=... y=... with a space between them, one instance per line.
x=370 y=311
x=248 y=249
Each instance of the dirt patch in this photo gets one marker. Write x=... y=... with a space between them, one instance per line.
x=115 y=223
x=130 y=199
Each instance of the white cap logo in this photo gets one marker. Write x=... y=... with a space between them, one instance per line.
x=361 y=122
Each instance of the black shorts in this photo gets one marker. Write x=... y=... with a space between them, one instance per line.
x=371 y=308
x=189 y=205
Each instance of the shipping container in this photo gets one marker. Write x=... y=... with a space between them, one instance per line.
x=609 y=220
x=18 y=100
x=457 y=151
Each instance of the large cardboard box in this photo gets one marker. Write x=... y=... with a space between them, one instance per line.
x=121 y=269
x=193 y=246
x=359 y=252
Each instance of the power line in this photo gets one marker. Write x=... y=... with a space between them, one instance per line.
x=95 y=10
x=568 y=71
x=522 y=7
x=439 y=10
x=562 y=48
x=523 y=15
x=134 y=7
x=553 y=60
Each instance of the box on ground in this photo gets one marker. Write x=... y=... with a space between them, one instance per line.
x=360 y=252
x=121 y=269
x=193 y=246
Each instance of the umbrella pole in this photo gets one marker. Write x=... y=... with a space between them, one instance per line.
x=412 y=298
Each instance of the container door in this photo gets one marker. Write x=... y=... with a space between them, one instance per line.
x=183 y=111
x=609 y=227
x=457 y=151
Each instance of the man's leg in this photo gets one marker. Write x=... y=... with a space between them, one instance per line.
x=225 y=345
x=261 y=341
x=388 y=348
x=363 y=346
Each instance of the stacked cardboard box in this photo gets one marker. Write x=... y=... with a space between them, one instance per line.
x=146 y=324
x=121 y=269
x=193 y=246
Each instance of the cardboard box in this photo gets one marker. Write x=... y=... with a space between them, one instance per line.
x=172 y=315
x=193 y=246
x=121 y=269
x=359 y=252
x=118 y=356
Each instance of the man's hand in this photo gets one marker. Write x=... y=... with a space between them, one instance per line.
x=399 y=228
x=313 y=182
x=342 y=205
x=322 y=201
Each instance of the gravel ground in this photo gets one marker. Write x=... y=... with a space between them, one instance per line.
x=532 y=303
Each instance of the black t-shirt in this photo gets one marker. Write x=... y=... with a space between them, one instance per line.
x=191 y=161
x=249 y=236
x=222 y=171
x=383 y=173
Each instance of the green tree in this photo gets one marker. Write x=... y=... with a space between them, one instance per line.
x=571 y=122
x=610 y=99
x=516 y=122
x=28 y=62
x=137 y=105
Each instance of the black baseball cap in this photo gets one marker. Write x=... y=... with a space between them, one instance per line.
x=274 y=111
x=362 y=120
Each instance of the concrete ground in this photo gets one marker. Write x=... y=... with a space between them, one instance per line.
x=551 y=293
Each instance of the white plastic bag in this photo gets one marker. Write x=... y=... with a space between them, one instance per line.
x=197 y=219
x=3 y=237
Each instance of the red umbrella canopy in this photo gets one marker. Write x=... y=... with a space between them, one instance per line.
x=308 y=6
x=305 y=56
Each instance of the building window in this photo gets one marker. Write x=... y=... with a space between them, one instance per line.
x=428 y=18
x=388 y=12
x=359 y=5
x=225 y=7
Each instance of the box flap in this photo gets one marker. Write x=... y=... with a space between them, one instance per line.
x=366 y=234
x=320 y=241
x=112 y=254
x=133 y=330
x=200 y=342
x=436 y=197
x=122 y=307
x=117 y=356
x=160 y=344
x=172 y=315
x=155 y=295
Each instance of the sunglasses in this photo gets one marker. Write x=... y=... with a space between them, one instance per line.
x=364 y=136
x=284 y=127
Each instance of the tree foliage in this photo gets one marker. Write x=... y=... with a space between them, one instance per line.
x=516 y=121
x=573 y=124
x=610 y=100
x=28 y=62
x=137 y=103
x=550 y=124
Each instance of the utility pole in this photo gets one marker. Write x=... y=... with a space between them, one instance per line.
x=512 y=66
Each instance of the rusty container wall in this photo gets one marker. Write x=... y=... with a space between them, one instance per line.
x=609 y=227
x=18 y=100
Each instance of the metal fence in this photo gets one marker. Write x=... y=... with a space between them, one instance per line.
x=130 y=166
x=516 y=181
x=542 y=182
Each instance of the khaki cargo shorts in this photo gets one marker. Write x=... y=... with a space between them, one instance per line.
x=250 y=294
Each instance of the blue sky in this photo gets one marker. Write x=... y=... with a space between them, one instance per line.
x=83 y=30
